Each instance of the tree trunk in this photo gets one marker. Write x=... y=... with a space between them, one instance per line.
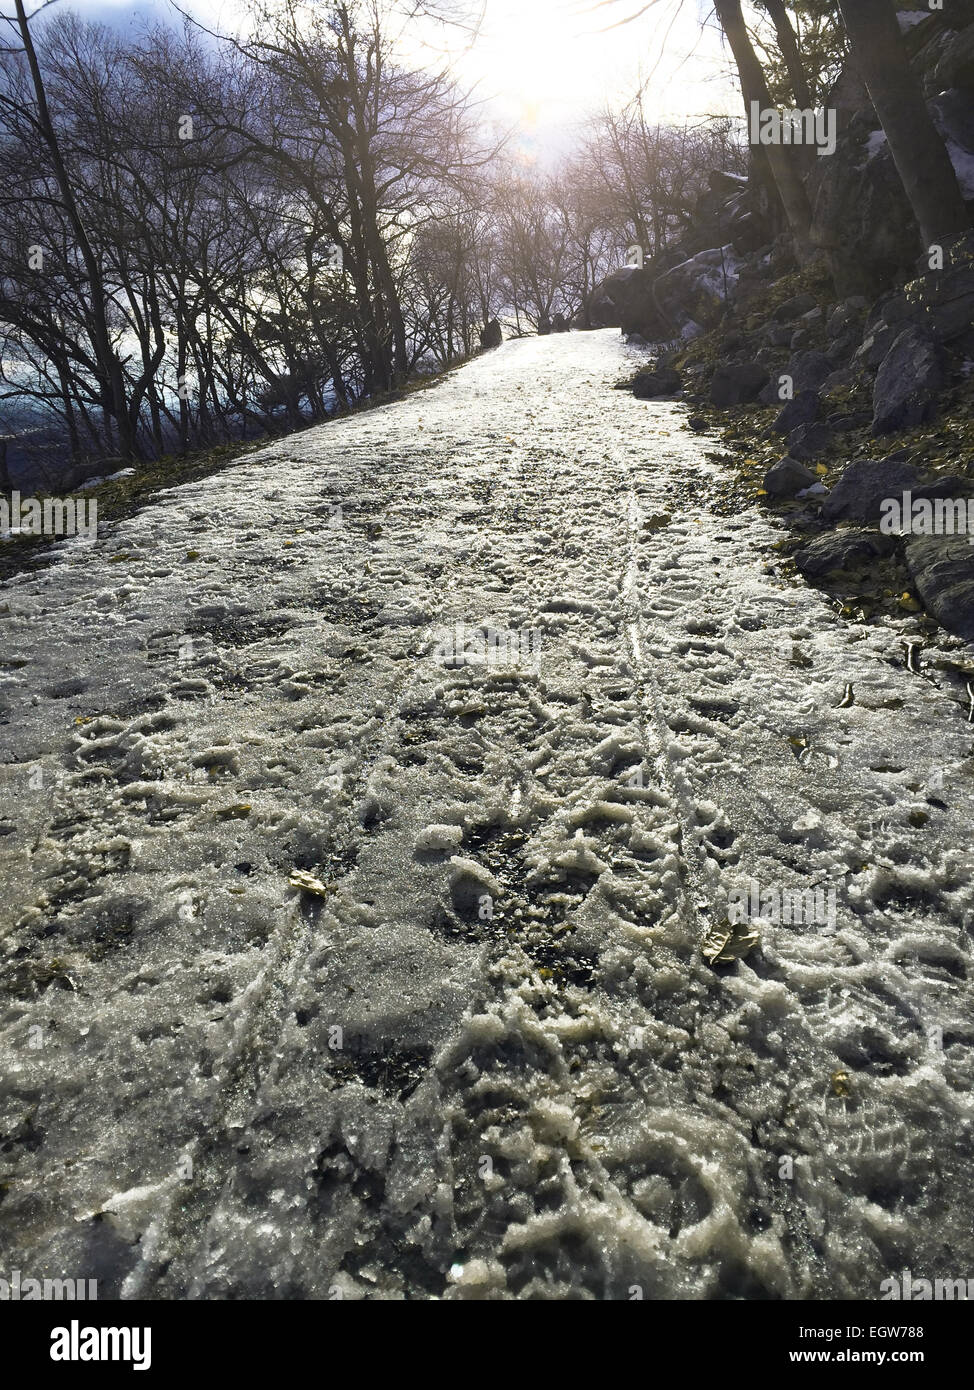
x=918 y=151
x=790 y=52
x=113 y=380
x=785 y=169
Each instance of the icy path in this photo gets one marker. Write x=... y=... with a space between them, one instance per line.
x=486 y=1059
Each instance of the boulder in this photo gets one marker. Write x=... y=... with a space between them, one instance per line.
x=875 y=345
x=842 y=550
x=808 y=441
x=778 y=336
x=696 y=291
x=952 y=486
x=624 y=300
x=859 y=493
x=842 y=423
x=736 y=383
x=846 y=315
x=794 y=308
x=907 y=383
x=943 y=572
x=803 y=409
x=948 y=299
x=841 y=378
x=808 y=370
x=491 y=335
x=787 y=477
x=661 y=382
x=955 y=67
x=862 y=218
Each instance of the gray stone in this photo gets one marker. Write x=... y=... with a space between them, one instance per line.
x=862 y=217
x=842 y=550
x=624 y=300
x=787 y=477
x=875 y=345
x=955 y=67
x=802 y=410
x=948 y=298
x=858 y=494
x=907 y=383
x=778 y=336
x=661 y=382
x=794 y=308
x=842 y=377
x=696 y=291
x=952 y=486
x=808 y=370
x=845 y=315
x=808 y=441
x=736 y=383
x=943 y=572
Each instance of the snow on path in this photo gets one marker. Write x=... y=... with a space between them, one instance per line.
x=485 y=1057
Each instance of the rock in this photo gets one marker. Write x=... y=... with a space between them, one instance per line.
x=943 y=572
x=948 y=299
x=625 y=300
x=808 y=441
x=794 y=308
x=840 y=349
x=661 y=382
x=858 y=494
x=953 y=115
x=845 y=315
x=808 y=370
x=951 y=486
x=862 y=218
x=736 y=383
x=955 y=67
x=842 y=550
x=801 y=410
x=875 y=345
x=841 y=423
x=787 y=477
x=491 y=335
x=840 y=379
x=907 y=383
x=778 y=336
x=722 y=181
x=696 y=290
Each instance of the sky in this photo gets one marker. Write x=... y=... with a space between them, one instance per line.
x=540 y=65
